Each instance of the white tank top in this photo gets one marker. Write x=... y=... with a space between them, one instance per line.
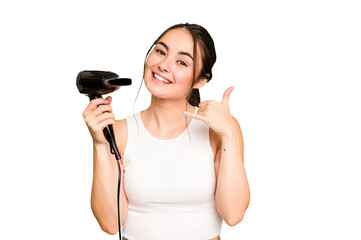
x=170 y=184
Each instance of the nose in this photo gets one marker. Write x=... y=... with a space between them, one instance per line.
x=164 y=66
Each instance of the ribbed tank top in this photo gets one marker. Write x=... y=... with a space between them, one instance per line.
x=170 y=184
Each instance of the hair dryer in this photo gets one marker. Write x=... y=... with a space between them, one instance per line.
x=96 y=83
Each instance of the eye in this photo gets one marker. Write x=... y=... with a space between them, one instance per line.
x=160 y=51
x=182 y=63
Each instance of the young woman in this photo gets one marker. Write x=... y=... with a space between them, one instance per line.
x=182 y=166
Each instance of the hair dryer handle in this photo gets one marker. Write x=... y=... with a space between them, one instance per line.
x=109 y=134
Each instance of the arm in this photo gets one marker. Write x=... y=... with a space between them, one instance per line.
x=232 y=191
x=104 y=190
x=105 y=170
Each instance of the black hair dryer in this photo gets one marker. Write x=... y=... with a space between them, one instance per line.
x=97 y=83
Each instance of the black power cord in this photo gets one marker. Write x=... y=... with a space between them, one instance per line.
x=109 y=135
x=119 y=177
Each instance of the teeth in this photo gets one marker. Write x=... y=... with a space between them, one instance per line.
x=161 y=79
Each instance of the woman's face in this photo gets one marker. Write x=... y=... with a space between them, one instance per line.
x=168 y=70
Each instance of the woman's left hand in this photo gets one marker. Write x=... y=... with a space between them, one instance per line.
x=216 y=115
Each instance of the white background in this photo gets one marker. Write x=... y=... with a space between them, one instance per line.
x=295 y=66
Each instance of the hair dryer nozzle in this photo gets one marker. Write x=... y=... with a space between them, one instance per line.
x=118 y=82
x=96 y=83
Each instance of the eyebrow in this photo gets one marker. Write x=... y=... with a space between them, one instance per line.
x=181 y=52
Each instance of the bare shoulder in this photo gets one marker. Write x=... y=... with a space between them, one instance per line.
x=121 y=134
x=239 y=135
x=121 y=124
x=215 y=140
x=238 y=129
x=236 y=123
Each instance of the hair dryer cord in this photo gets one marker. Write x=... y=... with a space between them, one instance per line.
x=109 y=135
x=118 y=193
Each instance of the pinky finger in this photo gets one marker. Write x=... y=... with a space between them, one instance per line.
x=106 y=122
x=195 y=116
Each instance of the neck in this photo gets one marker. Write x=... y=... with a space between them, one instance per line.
x=167 y=114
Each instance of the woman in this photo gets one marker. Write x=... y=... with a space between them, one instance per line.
x=182 y=165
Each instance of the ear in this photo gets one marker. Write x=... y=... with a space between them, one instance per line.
x=200 y=83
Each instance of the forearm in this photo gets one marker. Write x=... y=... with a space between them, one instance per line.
x=104 y=189
x=232 y=195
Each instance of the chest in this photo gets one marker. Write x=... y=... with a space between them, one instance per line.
x=169 y=175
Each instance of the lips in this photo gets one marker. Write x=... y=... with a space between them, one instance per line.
x=161 y=78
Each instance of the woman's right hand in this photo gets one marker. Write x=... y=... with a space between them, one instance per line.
x=97 y=116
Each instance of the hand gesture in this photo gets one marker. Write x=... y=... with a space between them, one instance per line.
x=216 y=115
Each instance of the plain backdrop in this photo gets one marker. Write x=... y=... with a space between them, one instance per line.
x=295 y=66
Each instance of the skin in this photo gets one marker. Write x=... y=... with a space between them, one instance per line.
x=165 y=118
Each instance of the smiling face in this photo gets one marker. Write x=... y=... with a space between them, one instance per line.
x=169 y=70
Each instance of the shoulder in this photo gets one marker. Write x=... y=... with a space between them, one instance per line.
x=216 y=139
x=121 y=124
x=237 y=126
x=121 y=134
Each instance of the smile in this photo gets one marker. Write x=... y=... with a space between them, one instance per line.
x=162 y=79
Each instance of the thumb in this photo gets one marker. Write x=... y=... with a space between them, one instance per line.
x=227 y=94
